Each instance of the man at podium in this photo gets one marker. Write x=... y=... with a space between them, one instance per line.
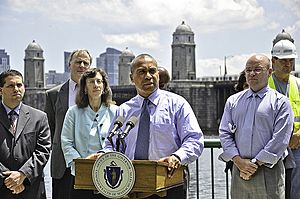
x=167 y=129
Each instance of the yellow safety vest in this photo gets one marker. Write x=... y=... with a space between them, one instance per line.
x=294 y=98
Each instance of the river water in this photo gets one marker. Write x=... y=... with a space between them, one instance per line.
x=205 y=187
x=204 y=177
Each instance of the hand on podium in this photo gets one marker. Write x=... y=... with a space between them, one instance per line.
x=94 y=156
x=173 y=163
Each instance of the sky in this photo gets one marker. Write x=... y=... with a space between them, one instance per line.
x=232 y=28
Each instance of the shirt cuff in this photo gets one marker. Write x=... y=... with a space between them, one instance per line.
x=269 y=159
x=173 y=154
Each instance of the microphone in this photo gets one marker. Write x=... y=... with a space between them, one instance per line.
x=129 y=125
x=117 y=124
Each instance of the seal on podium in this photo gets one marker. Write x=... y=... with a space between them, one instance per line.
x=113 y=175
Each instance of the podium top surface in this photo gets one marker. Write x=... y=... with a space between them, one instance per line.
x=144 y=162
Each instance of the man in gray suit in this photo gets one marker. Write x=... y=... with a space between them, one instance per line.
x=25 y=141
x=58 y=100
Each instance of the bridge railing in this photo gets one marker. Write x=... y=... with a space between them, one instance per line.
x=211 y=144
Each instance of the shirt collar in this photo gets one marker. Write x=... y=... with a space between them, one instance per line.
x=153 y=98
x=72 y=85
x=261 y=93
x=94 y=114
x=16 y=109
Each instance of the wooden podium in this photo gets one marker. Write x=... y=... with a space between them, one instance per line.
x=150 y=176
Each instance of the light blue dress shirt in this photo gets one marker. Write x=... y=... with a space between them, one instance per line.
x=174 y=129
x=271 y=130
x=78 y=138
x=17 y=109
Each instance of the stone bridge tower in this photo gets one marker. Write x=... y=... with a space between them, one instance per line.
x=183 y=53
x=34 y=75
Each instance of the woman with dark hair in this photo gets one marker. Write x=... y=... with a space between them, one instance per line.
x=242 y=83
x=86 y=123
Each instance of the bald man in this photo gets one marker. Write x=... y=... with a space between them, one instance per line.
x=167 y=130
x=255 y=131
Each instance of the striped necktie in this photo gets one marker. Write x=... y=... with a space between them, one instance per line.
x=13 y=116
x=142 y=142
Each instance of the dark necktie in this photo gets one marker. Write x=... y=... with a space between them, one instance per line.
x=13 y=116
x=142 y=142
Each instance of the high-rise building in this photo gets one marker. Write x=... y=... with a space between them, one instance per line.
x=109 y=61
x=66 y=61
x=101 y=61
x=4 y=61
x=34 y=75
x=183 y=53
x=124 y=67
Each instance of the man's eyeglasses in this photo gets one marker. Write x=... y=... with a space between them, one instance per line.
x=255 y=70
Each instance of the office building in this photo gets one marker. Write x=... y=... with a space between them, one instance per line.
x=66 y=61
x=109 y=61
x=4 y=61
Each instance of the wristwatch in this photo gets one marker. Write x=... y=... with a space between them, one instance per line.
x=254 y=160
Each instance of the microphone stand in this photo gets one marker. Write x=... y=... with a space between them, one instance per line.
x=111 y=141
x=118 y=141
x=122 y=138
x=123 y=145
x=110 y=138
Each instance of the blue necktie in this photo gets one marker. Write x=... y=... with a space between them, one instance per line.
x=250 y=117
x=142 y=142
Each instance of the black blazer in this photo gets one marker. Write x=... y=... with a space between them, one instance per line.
x=28 y=151
x=57 y=104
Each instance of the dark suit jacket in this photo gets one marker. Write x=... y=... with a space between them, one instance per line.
x=28 y=151
x=57 y=104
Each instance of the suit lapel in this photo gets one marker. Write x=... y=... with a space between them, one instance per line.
x=22 y=121
x=4 y=118
x=63 y=97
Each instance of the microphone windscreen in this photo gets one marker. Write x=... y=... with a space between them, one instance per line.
x=132 y=121
x=119 y=120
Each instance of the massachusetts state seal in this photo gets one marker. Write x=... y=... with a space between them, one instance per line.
x=113 y=175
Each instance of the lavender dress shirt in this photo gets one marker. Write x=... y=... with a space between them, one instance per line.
x=271 y=130
x=174 y=129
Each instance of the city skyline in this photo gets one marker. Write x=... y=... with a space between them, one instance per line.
x=222 y=28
